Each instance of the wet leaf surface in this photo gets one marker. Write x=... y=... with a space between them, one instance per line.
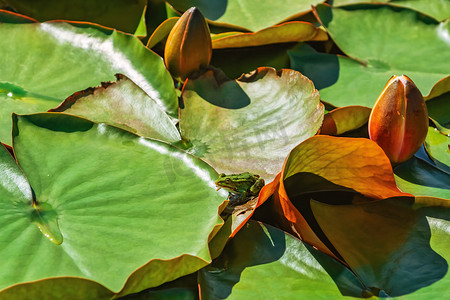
x=119 y=202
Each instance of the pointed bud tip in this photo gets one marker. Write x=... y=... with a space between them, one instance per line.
x=398 y=122
x=188 y=47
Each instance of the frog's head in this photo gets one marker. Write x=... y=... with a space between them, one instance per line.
x=236 y=183
x=224 y=181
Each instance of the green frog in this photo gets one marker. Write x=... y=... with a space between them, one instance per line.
x=244 y=186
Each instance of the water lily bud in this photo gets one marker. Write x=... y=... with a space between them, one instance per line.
x=398 y=122
x=188 y=47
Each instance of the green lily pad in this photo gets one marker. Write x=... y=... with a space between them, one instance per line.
x=122 y=104
x=43 y=63
x=119 y=14
x=249 y=14
x=166 y=294
x=249 y=124
x=438 y=9
x=184 y=288
x=263 y=262
x=119 y=209
x=15 y=99
x=420 y=178
x=395 y=246
x=438 y=109
x=438 y=147
x=380 y=46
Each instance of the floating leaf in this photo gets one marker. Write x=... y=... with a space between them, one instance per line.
x=161 y=32
x=343 y=119
x=422 y=179
x=124 y=105
x=338 y=169
x=325 y=163
x=295 y=31
x=438 y=109
x=119 y=202
x=263 y=262
x=184 y=288
x=387 y=243
x=249 y=124
x=440 y=88
x=379 y=47
x=120 y=14
x=44 y=63
x=438 y=147
x=235 y=62
x=249 y=14
x=438 y=9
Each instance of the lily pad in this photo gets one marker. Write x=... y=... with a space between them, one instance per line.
x=395 y=246
x=336 y=170
x=440 y=88
x=248 y=14
x=284 y=33
x=326 y=163
x=122 y=104
x=235 y=62
x=438 y=147
x=161 y=32
x=113 y=203
x=249 y=124
x=438 y=9
x=119 y=14
x=343 y=119
x=438 y=109
x=43 y=63
x=263 y=262
x=379 y=47
x=420 y=178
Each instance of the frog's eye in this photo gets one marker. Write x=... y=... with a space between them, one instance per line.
x=228 y=180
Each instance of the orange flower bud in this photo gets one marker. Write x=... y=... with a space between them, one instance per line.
x=188 y=47
x=398 y=122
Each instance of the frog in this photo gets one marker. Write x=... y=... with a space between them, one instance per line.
x=242 y=187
